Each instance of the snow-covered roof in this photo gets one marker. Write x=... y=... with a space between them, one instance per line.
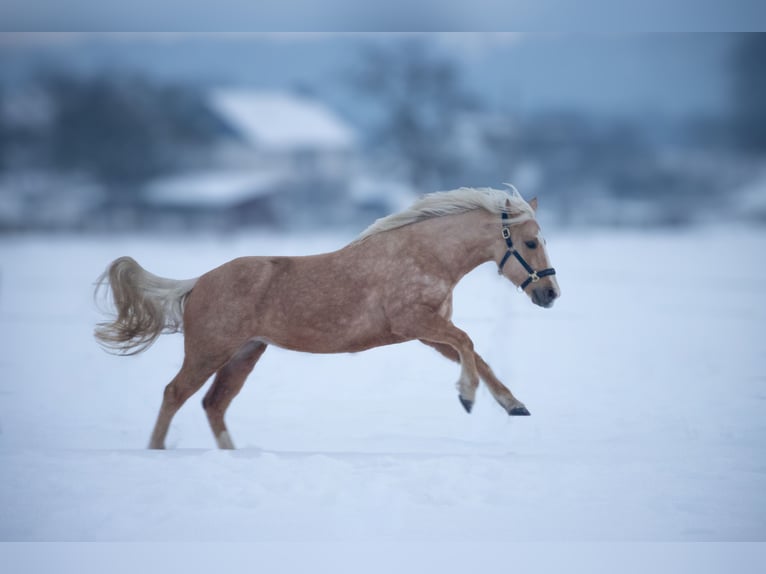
x=213 y=189
x=282 y=121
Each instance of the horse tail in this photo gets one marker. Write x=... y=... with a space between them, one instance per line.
x=146 y=306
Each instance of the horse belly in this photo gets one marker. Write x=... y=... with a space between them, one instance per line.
x=327 y=346
x=329 y=332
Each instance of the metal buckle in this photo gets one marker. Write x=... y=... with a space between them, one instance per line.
x=506 y=233
x=534 y=277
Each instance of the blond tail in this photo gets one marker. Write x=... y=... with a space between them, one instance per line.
x=146 y=306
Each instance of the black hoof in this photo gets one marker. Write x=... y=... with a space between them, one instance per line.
x=519 y=412
x=467 y=405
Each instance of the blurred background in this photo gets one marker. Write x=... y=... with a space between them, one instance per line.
x=218 y=132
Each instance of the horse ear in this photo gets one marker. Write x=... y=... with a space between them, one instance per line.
x=533 y=203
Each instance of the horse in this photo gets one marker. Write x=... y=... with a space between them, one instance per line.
x=392 y=284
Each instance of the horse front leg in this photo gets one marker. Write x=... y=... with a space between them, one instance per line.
x=502 y=394
x=434 y=329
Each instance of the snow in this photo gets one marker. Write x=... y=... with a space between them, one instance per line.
x=282 y=121
x=646 y=383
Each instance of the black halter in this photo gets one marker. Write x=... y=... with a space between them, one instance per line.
x=534 y=276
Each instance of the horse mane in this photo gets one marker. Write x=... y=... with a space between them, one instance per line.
x=456 y=201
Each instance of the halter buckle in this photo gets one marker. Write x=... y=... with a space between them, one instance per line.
x=506 y=233
x=534 y=277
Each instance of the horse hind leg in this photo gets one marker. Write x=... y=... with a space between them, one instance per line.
x=188 y=381
x=227 y=384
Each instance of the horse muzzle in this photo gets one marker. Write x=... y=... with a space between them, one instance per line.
x=545 y=295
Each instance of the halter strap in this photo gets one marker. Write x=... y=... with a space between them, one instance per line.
x=533 y=276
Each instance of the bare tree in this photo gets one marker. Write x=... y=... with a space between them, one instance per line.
x=418 y=100
x=749 y=92
x=125 y=130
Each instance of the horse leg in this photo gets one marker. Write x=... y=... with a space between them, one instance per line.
x=227 y=384
x=429 y=327
x=187 y=382
x=502 y=394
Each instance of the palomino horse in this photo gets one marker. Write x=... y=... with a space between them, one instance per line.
x=392 y=284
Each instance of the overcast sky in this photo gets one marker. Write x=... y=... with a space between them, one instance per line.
x=614 y=74
x=392 y=15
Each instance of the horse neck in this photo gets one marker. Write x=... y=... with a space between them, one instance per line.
x=459 y=242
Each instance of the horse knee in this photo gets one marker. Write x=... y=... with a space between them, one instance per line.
x=210 y=401
x=466 y=344
x=173 y=395
x=217 y=399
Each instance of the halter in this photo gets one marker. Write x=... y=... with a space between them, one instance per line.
x=534 y=276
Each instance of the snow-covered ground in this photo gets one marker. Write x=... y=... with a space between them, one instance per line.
x=646 y=383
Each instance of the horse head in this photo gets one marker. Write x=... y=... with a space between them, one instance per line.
x=524 y=260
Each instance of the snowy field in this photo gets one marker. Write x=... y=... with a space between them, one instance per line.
x=646 y=383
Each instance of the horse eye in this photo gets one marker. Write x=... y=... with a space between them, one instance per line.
x=532 y=244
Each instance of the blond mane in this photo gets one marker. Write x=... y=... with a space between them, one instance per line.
x=456 y=201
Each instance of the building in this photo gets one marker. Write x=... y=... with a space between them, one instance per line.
x=292 y=161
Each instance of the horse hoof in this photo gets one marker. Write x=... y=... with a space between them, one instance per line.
x=519 y=411
x=467 y=405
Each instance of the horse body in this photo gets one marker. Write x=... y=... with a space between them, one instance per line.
x=391 y=285
x=337 y=302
